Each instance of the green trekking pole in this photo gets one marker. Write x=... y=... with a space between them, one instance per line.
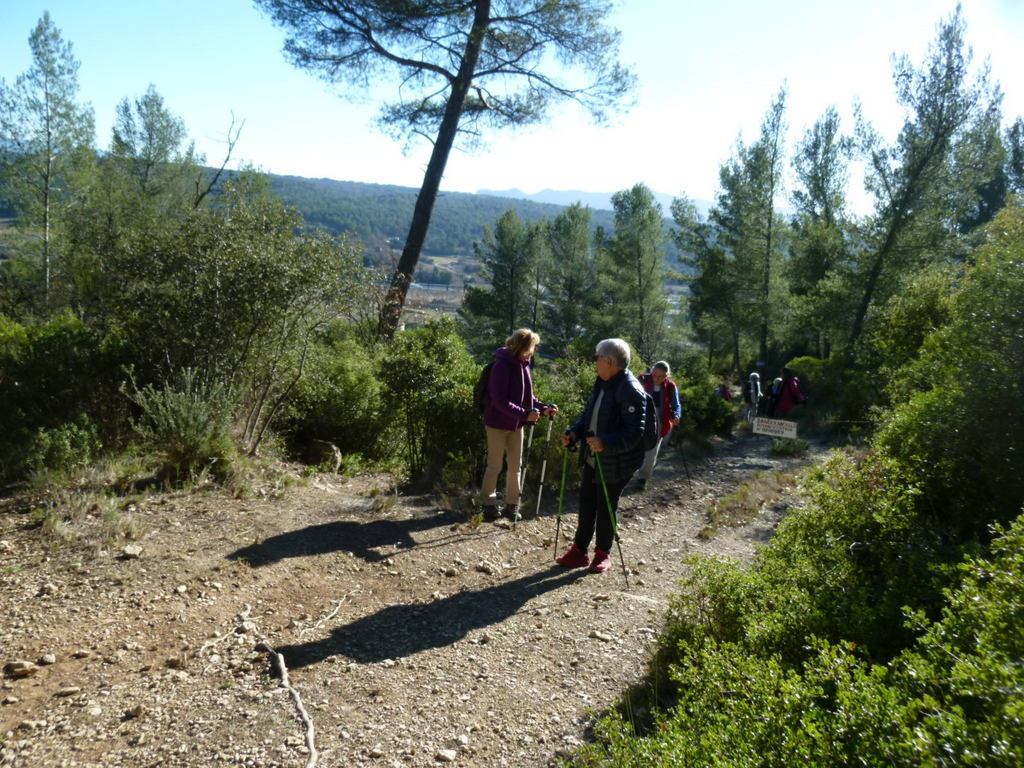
x=561 y=497
x=611 y=515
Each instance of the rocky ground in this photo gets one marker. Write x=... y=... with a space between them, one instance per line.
x=410 y=636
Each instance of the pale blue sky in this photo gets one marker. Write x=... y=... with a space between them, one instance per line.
x=708 y=71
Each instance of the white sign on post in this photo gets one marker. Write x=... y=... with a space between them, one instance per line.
x=774 y=427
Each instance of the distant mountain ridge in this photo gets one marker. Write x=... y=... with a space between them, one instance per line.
x=596 y=200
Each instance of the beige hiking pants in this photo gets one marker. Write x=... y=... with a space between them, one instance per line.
x=502 y=442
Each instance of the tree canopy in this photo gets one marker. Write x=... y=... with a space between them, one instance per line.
x=462 y=66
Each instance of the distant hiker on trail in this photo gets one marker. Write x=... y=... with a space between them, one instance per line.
x=612 y=427
x=724 y=390
x=510 y=406
x=666 y=403
x=770 y=399
x=791 y=394
x=751 y=396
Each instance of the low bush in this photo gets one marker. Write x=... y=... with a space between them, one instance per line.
x=65 y=448
x=187 y=423
x=951 y=698
x=704 y=412
x=52 y=375
x=788 y=446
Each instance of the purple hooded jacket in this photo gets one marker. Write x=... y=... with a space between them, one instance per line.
x=510 y=389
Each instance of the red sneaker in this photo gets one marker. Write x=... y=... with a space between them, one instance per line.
x=574 y=557
x=601 y=562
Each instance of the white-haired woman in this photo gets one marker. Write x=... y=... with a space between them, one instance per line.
x=611 y=426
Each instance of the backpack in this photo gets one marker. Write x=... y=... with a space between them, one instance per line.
x=481 y=392
x=652 y=423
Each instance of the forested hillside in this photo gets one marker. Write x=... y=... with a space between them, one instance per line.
x=380 y=213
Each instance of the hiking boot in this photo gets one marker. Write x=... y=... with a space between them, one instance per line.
x=601 y=562
x=490 y=512
x=512 y=512
x=574 y=557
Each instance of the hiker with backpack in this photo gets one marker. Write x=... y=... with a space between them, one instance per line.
x=751 y=396
x=612 y=429
x=658 y=383
x=508 y=406
x=791 y=393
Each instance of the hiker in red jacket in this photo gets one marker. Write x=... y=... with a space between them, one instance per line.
x=791 y=394
x=669 y=409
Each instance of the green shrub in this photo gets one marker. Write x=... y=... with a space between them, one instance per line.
x=187 y=423
x=844 y=566
x=960 y=428
x=704 y=411
x=51 y=374
x=788 y=446
x=838 y=396
x=64 y=448
x=340 y=400
x=428 y=378
x=951 y=698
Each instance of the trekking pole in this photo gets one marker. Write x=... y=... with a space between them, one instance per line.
x=544 y=464
x=561 y=496
x=686 y=465
x=522 y=474
x=611 y=516
x=526 y=459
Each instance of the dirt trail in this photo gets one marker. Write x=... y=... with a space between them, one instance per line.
x=413 y=638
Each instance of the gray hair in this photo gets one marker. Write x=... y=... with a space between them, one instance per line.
x=663 y=366
x=615 y=350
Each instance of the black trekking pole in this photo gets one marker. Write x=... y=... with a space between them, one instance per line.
x=522 y=475
x=561 y=496
x=611 y=515
x=544 y=464
x=686 y=465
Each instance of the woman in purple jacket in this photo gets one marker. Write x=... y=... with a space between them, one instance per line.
x=510 y=406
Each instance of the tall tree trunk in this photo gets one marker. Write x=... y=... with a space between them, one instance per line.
x=46 y=235
x=895 y=228
x=391 y=310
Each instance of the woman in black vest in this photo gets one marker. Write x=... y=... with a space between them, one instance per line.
x=612 y=426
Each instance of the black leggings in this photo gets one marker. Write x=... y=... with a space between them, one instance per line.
x=594 y=510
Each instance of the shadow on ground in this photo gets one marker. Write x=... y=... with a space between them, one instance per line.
x=363 y=539
x=403 y=630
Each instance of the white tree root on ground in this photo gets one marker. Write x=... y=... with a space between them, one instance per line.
x=337 y=607
x=245 y=624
